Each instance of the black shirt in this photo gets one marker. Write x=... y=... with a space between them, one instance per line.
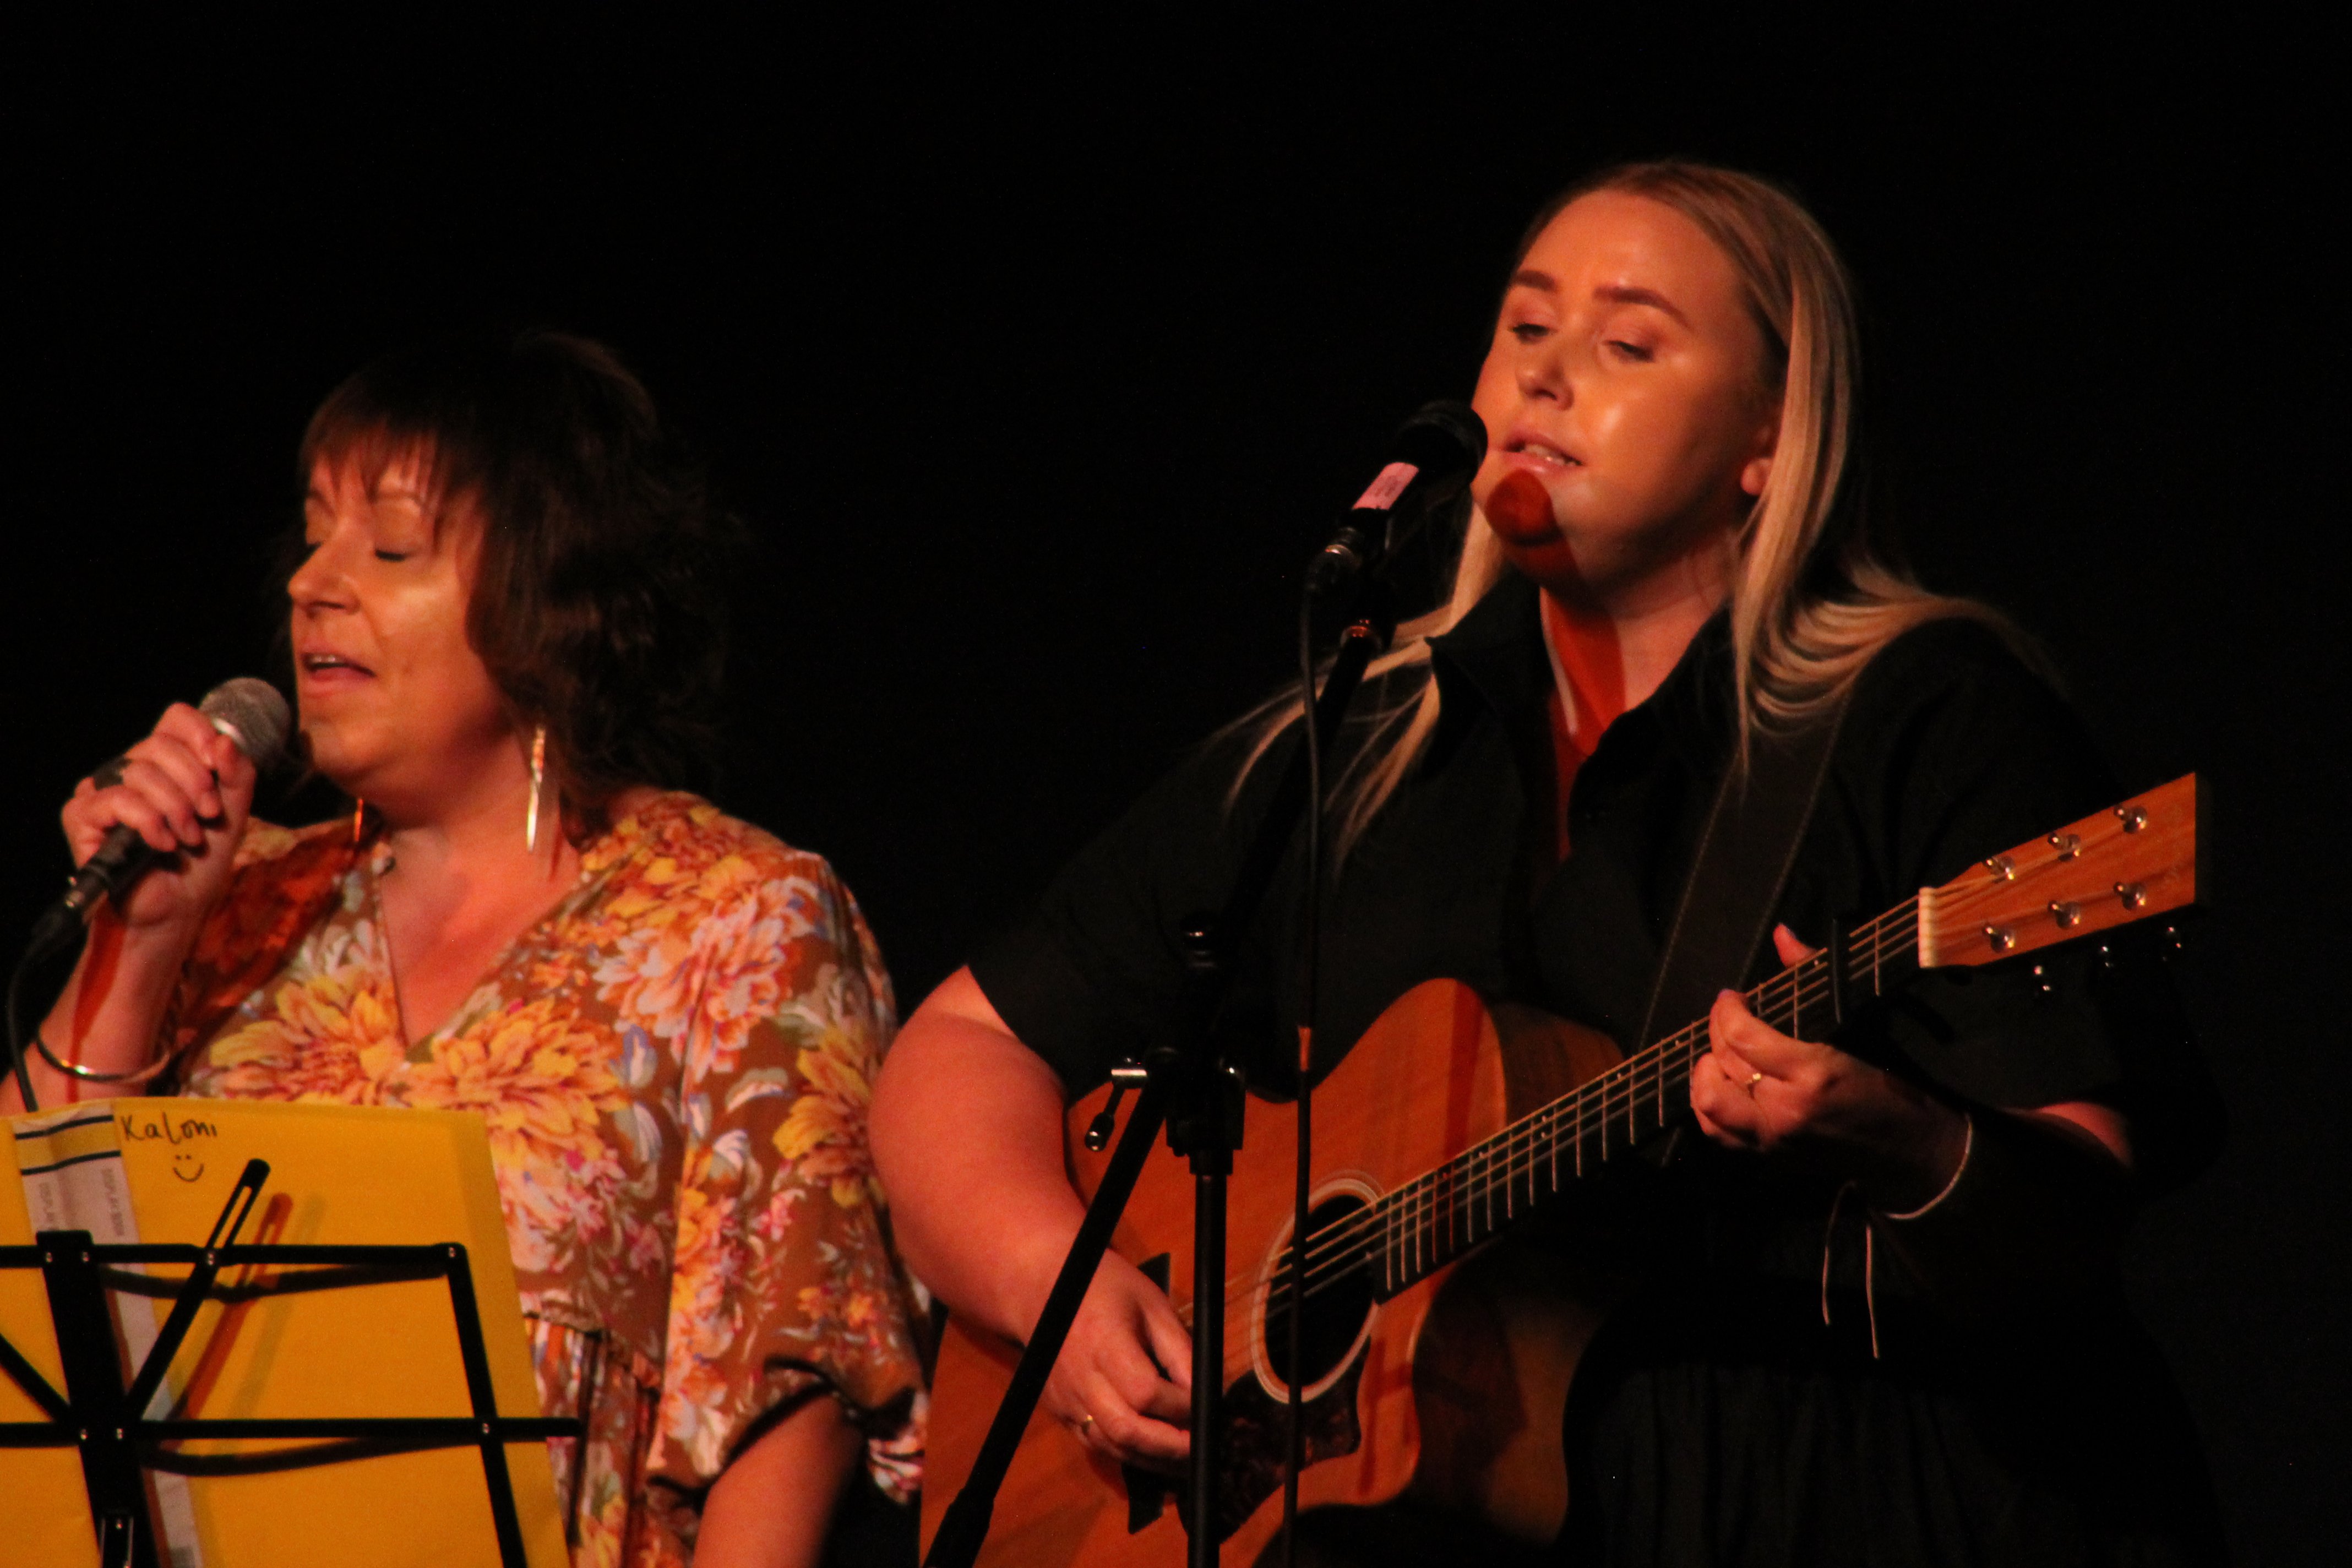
x=1951 y=750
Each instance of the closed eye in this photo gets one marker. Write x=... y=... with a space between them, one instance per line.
x=392 y=555
x=1530 y=331
x=1631 y=351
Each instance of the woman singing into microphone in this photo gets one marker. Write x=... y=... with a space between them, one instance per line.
x=1875 y=1318
x=506 y=633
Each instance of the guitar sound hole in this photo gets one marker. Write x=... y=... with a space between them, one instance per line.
x=1338 y=1296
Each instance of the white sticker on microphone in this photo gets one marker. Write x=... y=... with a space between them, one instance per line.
x=1386 y=487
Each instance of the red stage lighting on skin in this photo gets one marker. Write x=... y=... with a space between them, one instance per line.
x=1521 y=510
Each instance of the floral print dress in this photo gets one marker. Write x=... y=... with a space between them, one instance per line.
x=673 y=1064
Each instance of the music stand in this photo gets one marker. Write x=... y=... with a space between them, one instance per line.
x=104 y=1420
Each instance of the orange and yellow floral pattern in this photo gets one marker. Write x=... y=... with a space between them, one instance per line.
x=674 y=1066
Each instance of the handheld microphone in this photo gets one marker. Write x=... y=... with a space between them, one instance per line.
x=248 y=711
x=1434 y=454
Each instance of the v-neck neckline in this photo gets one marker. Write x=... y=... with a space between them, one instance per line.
x=377 y=861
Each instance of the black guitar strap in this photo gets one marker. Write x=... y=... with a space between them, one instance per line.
x=1745 y=852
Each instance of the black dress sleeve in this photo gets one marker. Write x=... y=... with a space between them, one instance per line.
x=1094 y=974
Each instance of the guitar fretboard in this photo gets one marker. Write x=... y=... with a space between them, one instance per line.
x=1441 y=1214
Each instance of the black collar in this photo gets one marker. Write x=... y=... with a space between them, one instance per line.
x=1494 y=659
x=1494 y=655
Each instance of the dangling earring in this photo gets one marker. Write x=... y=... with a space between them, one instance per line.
x=538 y=782
x=359 y=822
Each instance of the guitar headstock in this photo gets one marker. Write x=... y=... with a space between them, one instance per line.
x=2124 y=864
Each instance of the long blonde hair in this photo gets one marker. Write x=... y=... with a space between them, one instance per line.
x=1810 y=602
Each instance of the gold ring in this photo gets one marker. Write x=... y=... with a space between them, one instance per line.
x=1082 y=1425
x=1753 y=1080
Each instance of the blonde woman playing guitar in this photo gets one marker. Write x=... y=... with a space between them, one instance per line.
x=1857 y=1295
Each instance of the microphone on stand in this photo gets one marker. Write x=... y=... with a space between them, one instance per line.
x=250 y=713
x=1433 y=455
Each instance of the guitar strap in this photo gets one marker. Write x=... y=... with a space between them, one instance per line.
x=1745 y=851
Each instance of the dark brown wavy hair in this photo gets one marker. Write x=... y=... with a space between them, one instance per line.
x=598 y=602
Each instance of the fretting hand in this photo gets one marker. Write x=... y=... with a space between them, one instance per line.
x=1763 y=1090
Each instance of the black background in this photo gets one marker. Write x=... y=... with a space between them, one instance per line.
x=1041 y=362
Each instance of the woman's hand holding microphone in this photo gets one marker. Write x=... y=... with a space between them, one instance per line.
x=176 y=805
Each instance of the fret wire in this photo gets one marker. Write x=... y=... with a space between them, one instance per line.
x=1660 y=1081
x=1632 y=1098
x=1399 y=1243
x=1429 y=1226
x=1480 y=1193
x=1579 y=1148
x=1460 y=1210
x=1474 y=1192
x=1388 y=1256
x=1425 y=1214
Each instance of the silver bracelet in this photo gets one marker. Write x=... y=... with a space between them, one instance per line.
x=1968 y=1147
x=92 y=1075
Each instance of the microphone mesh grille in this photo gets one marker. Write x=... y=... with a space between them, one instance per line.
x=254 y=715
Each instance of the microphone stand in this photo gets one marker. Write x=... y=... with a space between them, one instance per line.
x=1198 y=1095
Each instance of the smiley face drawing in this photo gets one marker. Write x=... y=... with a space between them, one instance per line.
x=187 y=1166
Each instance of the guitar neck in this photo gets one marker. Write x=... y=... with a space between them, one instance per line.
x=1436 y=1218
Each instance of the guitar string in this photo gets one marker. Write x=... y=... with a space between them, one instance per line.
x=1529 y=1141
x=1429 y=1233
x=1459 y=1225
x=1447 y=1200
x=1494 y=1170
x=1527 y=1144
x=1625 y=1085
x=1338 y=1249
x=1440 y=1229
x=1493 y=1174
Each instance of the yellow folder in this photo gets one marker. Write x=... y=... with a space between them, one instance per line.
x=155 y=1171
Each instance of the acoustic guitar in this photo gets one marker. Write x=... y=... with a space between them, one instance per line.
x=1434 y=1363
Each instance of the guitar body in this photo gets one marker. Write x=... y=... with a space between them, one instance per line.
x=1454 y=1389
